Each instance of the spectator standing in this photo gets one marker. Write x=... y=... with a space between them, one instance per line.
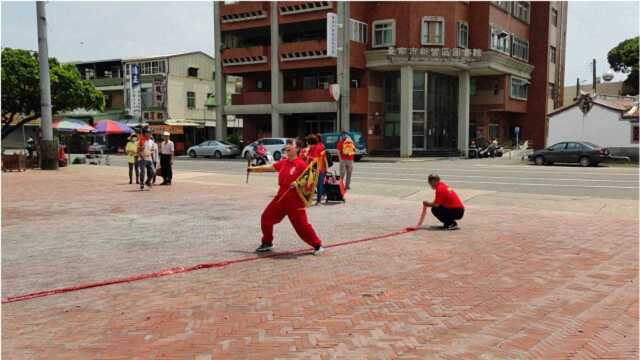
x=317 y=152
x=132 y=157
x=155 y=158
x=145 y=152
x=167 y=156
x=347 y=150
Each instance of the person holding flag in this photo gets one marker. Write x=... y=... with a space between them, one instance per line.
x=296 y=181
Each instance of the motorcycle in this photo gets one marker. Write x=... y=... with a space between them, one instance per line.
x=492 y=150
x=473 y=150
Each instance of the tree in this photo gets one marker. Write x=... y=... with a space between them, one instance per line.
x=21 y=88
x=624 y=58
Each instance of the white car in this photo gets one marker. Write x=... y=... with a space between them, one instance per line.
x=273 y=145
x=215 y=148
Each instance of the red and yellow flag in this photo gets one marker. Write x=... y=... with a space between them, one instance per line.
x=307 y=182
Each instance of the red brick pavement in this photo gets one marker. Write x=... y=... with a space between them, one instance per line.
x=527 y=284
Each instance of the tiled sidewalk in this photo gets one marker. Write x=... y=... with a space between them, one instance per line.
x=508 y=285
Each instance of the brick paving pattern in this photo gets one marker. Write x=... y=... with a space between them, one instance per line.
x=511 y=284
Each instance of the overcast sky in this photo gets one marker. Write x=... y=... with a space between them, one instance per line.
x=105 y=30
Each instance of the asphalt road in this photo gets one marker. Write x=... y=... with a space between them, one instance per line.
x=478 y=174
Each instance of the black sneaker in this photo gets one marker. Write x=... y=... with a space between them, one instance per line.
x=318 y=250
x=264 y=248
x=452 y=226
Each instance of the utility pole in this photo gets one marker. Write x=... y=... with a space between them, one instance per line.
x=594 y=77
x=48 y=153
x=577 y=88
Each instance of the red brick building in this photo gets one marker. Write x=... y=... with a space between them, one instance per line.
x=420 y=77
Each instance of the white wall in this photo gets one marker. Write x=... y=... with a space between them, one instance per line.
x=179 y=83
x=600 y=126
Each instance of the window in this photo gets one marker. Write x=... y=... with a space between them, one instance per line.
x=558 y=147
x=504 y=5
x=519 y=88
x=160 y=116
x=89 y=74
x=359 y=31
x=552 y=54
x=463 y=34
x=552 y=91
x=520 y=49
x=191 y=100
x=473 y=87
x=573 y=146
x=432 y=30
x=192 y=72
x=146 y=115
x=521 y=10
x=634 y=134
x=499 y=40
x=384 y=33
x=554 y=17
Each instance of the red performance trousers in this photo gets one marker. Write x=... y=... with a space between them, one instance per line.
x=289 y=205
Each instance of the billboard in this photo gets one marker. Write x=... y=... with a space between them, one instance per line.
x=135 y=96
x=332 y=35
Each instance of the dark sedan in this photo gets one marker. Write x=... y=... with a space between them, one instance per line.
x=580 y=152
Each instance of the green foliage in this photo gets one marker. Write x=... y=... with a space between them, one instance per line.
x=624 y=58
x=21 y=88
x=234 y=139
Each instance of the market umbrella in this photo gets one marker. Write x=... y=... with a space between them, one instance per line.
x=73 y=125
x=112 y=127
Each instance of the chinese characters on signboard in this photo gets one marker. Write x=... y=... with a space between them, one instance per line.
x=332 y=35
x=135 y=97
x=435 y=53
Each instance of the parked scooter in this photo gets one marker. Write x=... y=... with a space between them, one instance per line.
x=492 y=150
x=473 y=150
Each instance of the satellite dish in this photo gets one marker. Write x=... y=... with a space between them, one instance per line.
x=608 y=75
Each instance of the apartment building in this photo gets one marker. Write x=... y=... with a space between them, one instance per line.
x=415 y=77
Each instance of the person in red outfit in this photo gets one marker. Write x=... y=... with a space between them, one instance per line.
x=317 y=152
x=287 y=202
x=447 y=206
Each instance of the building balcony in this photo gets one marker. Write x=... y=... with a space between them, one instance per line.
x=244 y=60
x=305 y=54
x=251 y=98
x=244 y=15
x=303 y=96
x=299 y=11
x=103 y=82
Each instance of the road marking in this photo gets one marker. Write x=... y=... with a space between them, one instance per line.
x=519 y=178
x=506 y=183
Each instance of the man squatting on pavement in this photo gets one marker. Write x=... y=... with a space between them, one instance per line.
x=446 y=206
x=287 y=202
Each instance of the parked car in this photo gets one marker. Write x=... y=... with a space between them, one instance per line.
x=215 y=148
x=273 y=145
x=581 y=152
x=330 y=141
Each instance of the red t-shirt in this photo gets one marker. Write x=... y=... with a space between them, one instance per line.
x=343 y=156
x=445 y=196
x=288 y=172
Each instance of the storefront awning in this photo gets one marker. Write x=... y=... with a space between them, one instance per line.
x=183 y=122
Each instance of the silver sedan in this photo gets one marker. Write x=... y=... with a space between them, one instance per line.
x=215 y=148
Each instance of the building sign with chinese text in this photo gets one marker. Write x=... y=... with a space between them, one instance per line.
x=439 y=54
